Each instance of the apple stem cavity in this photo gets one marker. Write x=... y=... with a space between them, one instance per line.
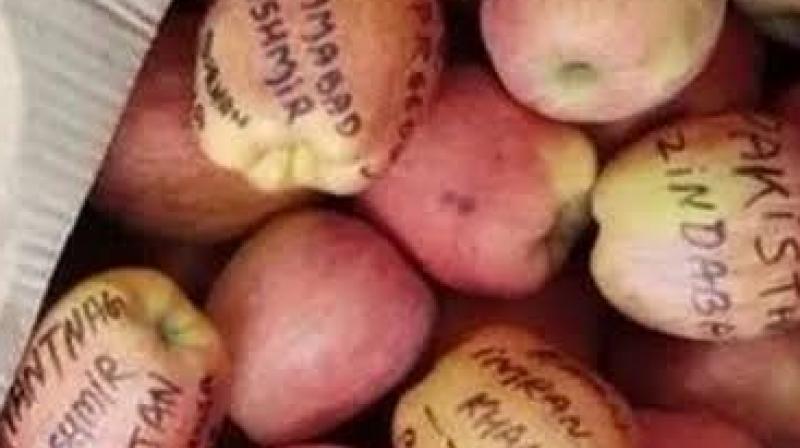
x=577 y=74
x=576 y=79
x=170 y=333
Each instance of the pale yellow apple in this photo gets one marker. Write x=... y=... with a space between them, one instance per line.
x=505 y=387
x=122 y=360
x=155 y=178
x=318 y=95
x=698 y=228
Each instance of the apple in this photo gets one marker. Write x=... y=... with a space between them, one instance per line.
x=323 y=317
x=698 y=235
x=779 y=18
x=664 y=429
x=581 y=61
x=123 y=359
x=568 y=313
x=730 y=80
x=504 y=386
x=488 y=196
x=318 y=95
x=155 y=178
x=753 y=384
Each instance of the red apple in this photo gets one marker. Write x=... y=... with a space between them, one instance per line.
x=577 y=60
x=488 y=196
x=663 y=429
x=755 y=384
x=323 y=316
x=731 y=79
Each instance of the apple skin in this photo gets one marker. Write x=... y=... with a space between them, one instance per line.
x=504 y=386
x=323 y=317
x=314 y=95
x=581 y=61
x=695 y=237
x=155 y=178
x=730 y=80
x=753 y=384
x=123 y=359
x=778 y=18
x=487 y=196
x=664 y=429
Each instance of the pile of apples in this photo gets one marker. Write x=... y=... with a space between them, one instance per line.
x=422 y=223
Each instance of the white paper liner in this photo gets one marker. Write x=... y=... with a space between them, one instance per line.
x=10 y=119
x=63 y=85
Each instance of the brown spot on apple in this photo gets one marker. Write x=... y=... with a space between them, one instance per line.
x=463 y=203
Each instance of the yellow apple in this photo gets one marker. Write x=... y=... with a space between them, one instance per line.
x=155 y=177
x=317 y=95
x=122 y=360
x=698 y=228
x=505 y=387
